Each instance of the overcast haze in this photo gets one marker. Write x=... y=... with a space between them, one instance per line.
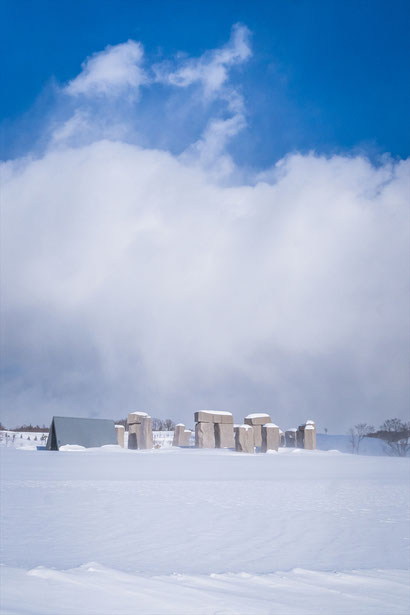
x=146 y=268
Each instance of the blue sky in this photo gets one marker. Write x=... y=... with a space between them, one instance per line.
x=205 y=205
x=329 y=76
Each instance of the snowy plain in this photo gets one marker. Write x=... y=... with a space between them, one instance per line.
x=186 y=531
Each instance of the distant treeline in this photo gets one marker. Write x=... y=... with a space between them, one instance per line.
x=157 y=424
x=394 y=432
x=34 y=428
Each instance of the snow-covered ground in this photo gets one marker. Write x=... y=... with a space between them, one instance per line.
x=30 y=440
x=163 y=439
x=188 y=531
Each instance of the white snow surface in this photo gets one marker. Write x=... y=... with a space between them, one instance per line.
x=185 y=531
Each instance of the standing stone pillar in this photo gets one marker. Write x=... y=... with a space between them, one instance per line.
x=300 y=436
x=139 y=430
x=257 y=420
x=178 y=434
x=270 y=437
x=281 y=438
x=244 y=439
x=204 y=435
x=224 y=434
x=310 y=436
x=185 y=438
x=147 y=441
x=120 y=431
x=182 y=436
x=290 y=437
x=134 y=435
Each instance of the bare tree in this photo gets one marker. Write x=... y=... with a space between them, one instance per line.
x=169 y=425
x=157 y=424
x=357 y=433
x=396 y=434
x=122 y=422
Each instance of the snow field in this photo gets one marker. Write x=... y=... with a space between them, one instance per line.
x=93 y=588
x=191 y=531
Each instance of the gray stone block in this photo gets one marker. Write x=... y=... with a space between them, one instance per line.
x=310 y=437
x=257 y=435
x=257 y=419
x=186 y=437
x=224 y=435
x=226 y=418
x=140 y=434
x=134 y=436
x=290 y=438
x=204 y=416
x=136 y=417
x=147 y=441
x=300 y=436
x=178 y=434
x=282 y=441
x=204 y=435
x=120 y=431
x=134 y=428
x=244 y=439
x=270 y=437
x=132 y=441
x=210 y=416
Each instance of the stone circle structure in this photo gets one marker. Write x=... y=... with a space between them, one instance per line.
x=140 y=431
x=256 y=420
x=213 y=429
x=270 y=437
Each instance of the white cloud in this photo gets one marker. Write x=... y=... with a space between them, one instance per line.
x=134 y=278
x=209 y=152
x=117 y=69
x=63 y=132
x=134 y=281
x=212 y=68
x=110 y=72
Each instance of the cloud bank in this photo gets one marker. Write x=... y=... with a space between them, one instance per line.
x=137 y=278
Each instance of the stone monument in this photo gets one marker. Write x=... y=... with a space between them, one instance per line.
x=270 y=437
x=140 y=431
x=256 y=420
x=244 y=439
x=213 y=429
x=120 y=431
x=181 y=435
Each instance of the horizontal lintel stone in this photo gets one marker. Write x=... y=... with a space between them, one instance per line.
x=257 y=419
x=136 y=417
x=208 y=416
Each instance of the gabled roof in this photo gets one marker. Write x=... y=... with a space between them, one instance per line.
x=85 y=432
